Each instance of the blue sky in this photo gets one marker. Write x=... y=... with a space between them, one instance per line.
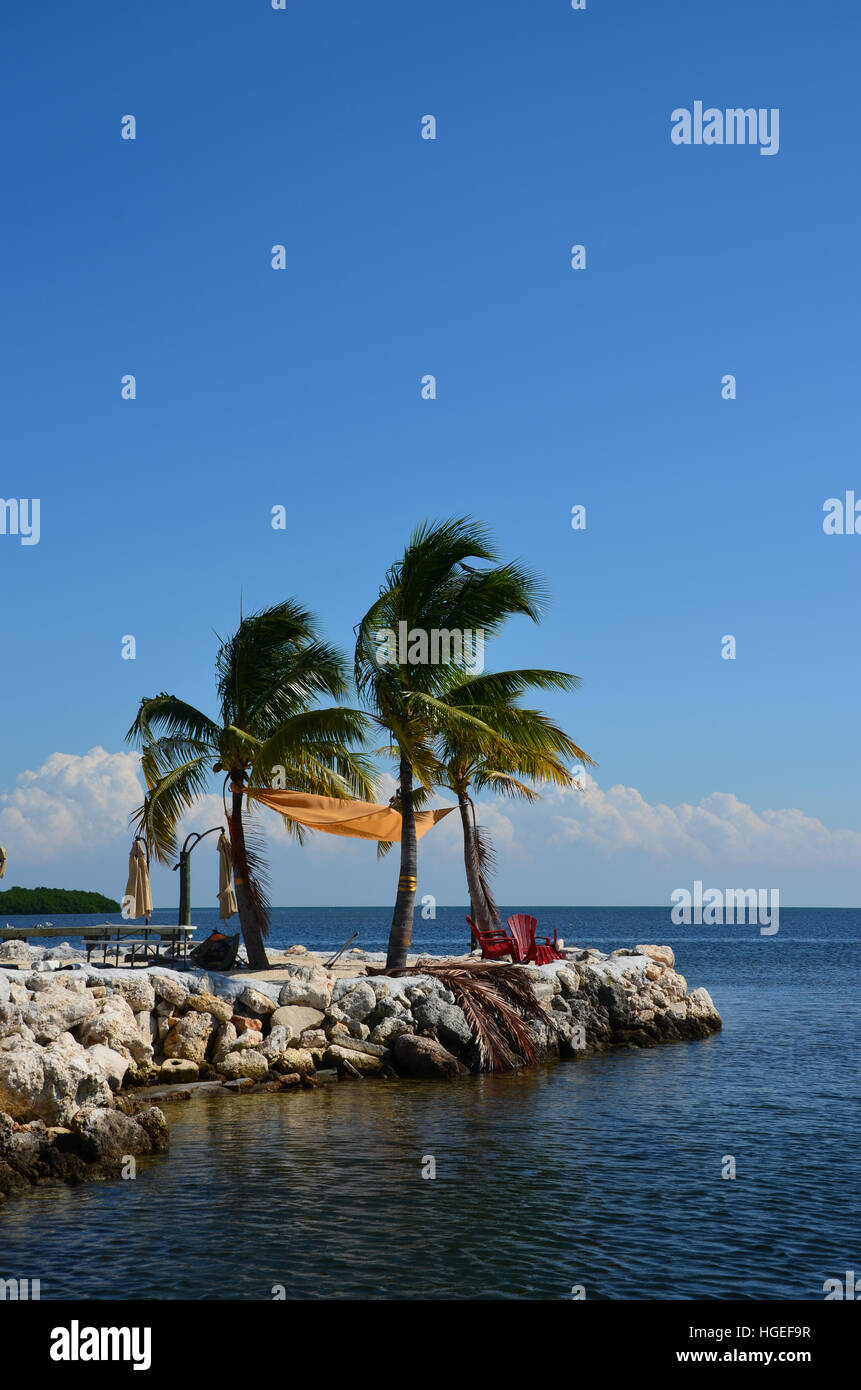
x=602 y=387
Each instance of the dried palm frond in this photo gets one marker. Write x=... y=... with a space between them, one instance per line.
x=498 y=1003
x=255 y=871
x=485 y=863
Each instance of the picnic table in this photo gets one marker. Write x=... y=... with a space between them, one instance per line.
x=140 y=943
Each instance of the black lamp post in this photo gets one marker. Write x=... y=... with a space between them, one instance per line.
x=191 y=842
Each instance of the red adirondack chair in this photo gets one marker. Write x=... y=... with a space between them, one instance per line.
x=495 y=944
x=532 y=951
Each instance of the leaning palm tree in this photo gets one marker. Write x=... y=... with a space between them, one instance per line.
x=269 y=675
x=531 y=750
x=435 y=587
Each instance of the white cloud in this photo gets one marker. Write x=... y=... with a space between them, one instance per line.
x=70 y=818
x=70 y=803
x=718 y=829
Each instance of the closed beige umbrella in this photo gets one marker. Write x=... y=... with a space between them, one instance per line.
x=226 y=895
x=137 y=888
x=2 y=861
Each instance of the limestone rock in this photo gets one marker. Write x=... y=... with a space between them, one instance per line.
x=108 y=1134
x=277 y=1042
x=389 y=1029
x=136 y=990
x=700 y=1005
x=571 y=1037
x=12 y=1021
x=115 y=1025
x=17 y=951
x=154 y=1124
x=569 y=980
x=225 y=1037
x=200 y=983
x=55 y=1011
x=246 y=1025
x=308 y=985
x=356 y=1045
x=425 y=1057
x=298 y=1059
x=445 y=1021
x=673 y=985
x=296 y=1018
x=545 y=1036
x=246 y=1040
x=41 y=980
x=178 y=1070
x=250 y=1063
x=50 y=1083
x=388 y=1006
x=70 y=1081
x=336 y=1030
x=357 y=1002
x=22 y=1075
x=189 y=1038
x=210 y=1004
x=112 y=1066
x=363 y=1063
x=171 y=991
x=257 y=1002
x=544 y=987
x=662 y=954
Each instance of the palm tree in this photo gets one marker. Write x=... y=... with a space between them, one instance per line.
x=434 y=587
x=269 y=675
x=530 y=747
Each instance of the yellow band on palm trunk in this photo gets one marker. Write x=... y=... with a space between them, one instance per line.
x=407 y=883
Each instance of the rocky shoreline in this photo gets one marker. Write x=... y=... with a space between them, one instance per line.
x=81 y=1048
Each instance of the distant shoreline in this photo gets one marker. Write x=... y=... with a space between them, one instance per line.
x=60 y=902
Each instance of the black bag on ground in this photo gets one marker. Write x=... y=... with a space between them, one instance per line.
x=217 y=952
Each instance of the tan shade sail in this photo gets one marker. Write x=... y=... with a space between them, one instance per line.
x=137 y=888
x=226 y=896
x=360 y=819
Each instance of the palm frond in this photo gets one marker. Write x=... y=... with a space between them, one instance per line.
x=500 y=687
x=485 y=856
x=326 y=730
x=168 y=798
x=498 y=1003
x=273 y=665
x=174 y=718
x=166 y=755
x=505 y=784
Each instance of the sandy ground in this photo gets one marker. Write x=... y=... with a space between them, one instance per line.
x=349 y=968
x=280 y=963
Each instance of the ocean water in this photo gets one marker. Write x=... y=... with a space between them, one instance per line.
x=603 y=1173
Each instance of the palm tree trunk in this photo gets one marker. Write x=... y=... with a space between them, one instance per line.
x=251 y=931
x=478 y=909
x=401 y=933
